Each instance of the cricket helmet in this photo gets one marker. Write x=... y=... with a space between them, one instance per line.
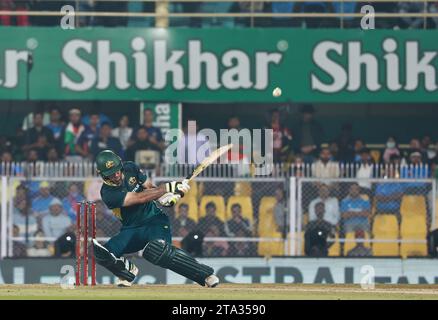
x=108 y=163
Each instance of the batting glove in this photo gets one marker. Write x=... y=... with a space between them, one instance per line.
x=169 y=199
x=178 y=187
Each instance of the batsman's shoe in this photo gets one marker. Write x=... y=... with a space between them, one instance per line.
x=120 y=267
x=125 y=283
x=211 y=281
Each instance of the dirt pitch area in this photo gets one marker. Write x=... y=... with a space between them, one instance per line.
x=223 y=292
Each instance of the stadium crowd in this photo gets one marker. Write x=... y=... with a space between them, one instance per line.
x=43 y=210
x=243 y=6
x=51 y=136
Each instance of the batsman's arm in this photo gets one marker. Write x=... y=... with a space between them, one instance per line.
x=133 y=198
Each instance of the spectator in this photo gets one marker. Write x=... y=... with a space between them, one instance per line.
x=69 y=202
x=334 y=150
x=234 y=123
x=90 y=133
x=42 y=147
x=53 y=155
x=19 y=249
x=316 y=7
x=391 y=149
x=324 y=167
x=6 y=157
x=426 y=141
x=388 y=195
x=6 y=5
x=241 y=248
x=433 y=8
x=25 y=222
x=210 y=219
x=86 y=6
x=73 y=151
x=111 y=6
x=355 y=211
x=154 y=133
x=414 y=146
x=40 y=247
x=317 y=232
x=237 y=222
x=280 y=212
x=331 y=206
x=248 y=7
x=141 y=143
x=415 y=170
x=359 y=145
x=183 y=221
x=431 y=154
x=57 y=127
x=18 y=20
x=299 y=166
x=5 y=144
x=101 y=118
x=21 y=193
x=214 y=248
x=346 y=144
x=411 y=22
x=56 y=222
x=365 y=171
x=309 y=135
x=32 y=156
x=105 y=141
x=40 y=205
x=38 y=137
x=282 y=137
x=107 y=225
x=29 y=118
x=123 y=132
x=359 y=250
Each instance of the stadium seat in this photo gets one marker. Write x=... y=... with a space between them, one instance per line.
x=268 y=249
x=435 y=226
x=242 y=189
x=193 y=193
x=413 y=205
x=218 y=201
x=267 y=226
x=352 y=243
x=193 y=207
x=335 y=248
x=385 y=227
x=413 y=228
x=245 y=203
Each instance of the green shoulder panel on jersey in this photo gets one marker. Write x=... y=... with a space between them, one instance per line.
x=114 y=196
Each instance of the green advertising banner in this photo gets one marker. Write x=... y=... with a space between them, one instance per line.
x=219 y=65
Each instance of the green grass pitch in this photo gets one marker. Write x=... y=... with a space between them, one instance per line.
x=222 y=292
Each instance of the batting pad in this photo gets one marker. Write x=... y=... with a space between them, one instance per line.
x=168 y=256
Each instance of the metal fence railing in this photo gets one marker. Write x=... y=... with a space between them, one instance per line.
x=163 y=11
x=330 y=170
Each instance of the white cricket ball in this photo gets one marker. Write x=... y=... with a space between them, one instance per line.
x=277 y=92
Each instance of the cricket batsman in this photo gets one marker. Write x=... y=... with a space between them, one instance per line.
x=133 y=199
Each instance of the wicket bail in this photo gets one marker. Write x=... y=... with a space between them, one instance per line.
x=84 y=211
